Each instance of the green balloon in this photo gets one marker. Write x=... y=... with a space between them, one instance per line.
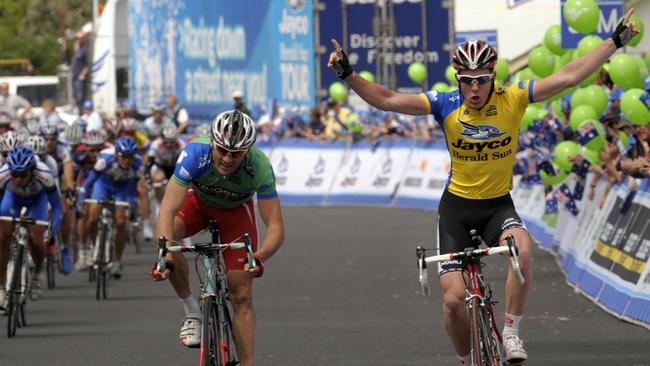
x=556 y=106
x=368 y=76
x=624 y=138
x=528 y=74
x=502 y=70
x=596 y=97
x=417 y=72
x=633 y=108
x=530 y=115
x=588 y=44
x=592 y=156
x=450 y=74
x=564 y=152
x=578 y=98
x=553 y=39
x=580 y=114
x=551 y=180
x=597 y=143
x=625 y=71
x=353 y=124
x=582 y=15
x=440 y=87
x=639 y=24
x=541 y=61
x=338 y=91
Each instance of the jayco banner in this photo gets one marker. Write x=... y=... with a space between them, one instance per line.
x=203 y=50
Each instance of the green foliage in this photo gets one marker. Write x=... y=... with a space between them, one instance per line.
x=32 y=29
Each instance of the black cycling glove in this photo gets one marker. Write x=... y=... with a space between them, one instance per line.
x=622 y=34
x=342 y=66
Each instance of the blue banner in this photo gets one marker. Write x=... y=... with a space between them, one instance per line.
x=490 y=36
x=203 y=50
x=610 y=12
x=408 y=43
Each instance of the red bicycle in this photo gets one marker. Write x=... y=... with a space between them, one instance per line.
x=486 y=339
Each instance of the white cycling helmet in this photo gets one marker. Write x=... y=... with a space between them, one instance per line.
x=73 y=135
x=169 y=133
x=8 y=141
x=37 y=144
x=233 y=130
x=94 y=137
x=129 y=124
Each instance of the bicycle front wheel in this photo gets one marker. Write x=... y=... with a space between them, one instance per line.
x=208 y=333
x=51 y=268
x=13 y=308
x=100 y=262
x=476 y=336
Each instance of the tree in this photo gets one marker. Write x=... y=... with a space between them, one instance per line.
x=40 y=30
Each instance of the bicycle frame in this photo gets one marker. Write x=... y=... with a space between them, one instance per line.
x=485 y=337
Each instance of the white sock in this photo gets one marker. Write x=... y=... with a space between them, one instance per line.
x=190 y=305
x=511 y=324
x=465 y=360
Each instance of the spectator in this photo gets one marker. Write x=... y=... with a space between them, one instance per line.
x=80 y=69
x=636 y=162
x=337 y=115
x=13 y=103
x=177 y=114
x=93 y=119
x=129 y=110
x=238 y=99
x=49 y=114
x=154 y=125
x=316 y=127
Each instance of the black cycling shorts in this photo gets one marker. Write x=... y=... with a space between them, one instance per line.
x=457 y=216
x=168 y=170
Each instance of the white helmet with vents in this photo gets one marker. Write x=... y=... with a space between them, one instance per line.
x=233 y=130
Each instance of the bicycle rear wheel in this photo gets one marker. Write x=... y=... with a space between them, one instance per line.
x=208 y=333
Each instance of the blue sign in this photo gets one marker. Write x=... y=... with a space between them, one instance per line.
x=203 y=50
x=610 y=12
x=407 y=45
x=490 y=36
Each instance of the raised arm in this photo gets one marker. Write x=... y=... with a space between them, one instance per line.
x=374 y=94
x=578 y=70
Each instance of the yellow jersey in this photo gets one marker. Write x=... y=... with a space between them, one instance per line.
x=482 y=143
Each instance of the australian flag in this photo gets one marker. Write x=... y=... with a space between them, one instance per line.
x=580 y=166
x=579 y=189
x=546 y=166
x=564 y=196
x=586 y=133
x=551 y=204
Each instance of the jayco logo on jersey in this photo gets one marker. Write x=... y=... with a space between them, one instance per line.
x=480 y=132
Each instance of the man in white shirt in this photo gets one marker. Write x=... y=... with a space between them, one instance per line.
x=93 y=119
x=13 y=103
x=177 y=114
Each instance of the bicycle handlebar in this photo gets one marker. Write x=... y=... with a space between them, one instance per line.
x=24 y=220
x=163 y=249
x=107 y=202
x=468 y=253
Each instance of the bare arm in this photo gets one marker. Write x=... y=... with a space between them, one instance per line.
x=68 y=175
x=271 y=213
x=169 y=207
x=578 y=70
x=377 y=95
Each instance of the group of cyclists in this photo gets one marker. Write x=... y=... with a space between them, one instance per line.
x=51 y=169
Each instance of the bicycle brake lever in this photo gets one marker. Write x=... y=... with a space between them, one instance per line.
x=422 y=272
x=514 y=259
x=250 y=256
x=162 y=252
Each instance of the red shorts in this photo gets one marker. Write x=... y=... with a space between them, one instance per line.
x=233 y=224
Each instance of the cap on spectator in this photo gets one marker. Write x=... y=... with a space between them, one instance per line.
x=647 y=84
x=237 y=94
x=88 y=104
x=616 y=94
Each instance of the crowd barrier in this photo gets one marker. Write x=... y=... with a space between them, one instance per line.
x=603 y=251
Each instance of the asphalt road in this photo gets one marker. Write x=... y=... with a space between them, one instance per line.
x=342 y=290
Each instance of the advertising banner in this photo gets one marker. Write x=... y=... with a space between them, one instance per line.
x=204 y=50
x=409 y=44
x=305 y=170
x=425 y=177
x=370 y=174
x=610 y=12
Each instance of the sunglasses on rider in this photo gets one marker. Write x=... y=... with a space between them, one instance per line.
x=469 y=80
x=234 y=153
x=19 y=174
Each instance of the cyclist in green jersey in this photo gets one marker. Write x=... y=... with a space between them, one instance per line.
x=216 y=177
x=481 y=124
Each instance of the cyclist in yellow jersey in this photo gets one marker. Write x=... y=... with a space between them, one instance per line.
x=481 y=125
